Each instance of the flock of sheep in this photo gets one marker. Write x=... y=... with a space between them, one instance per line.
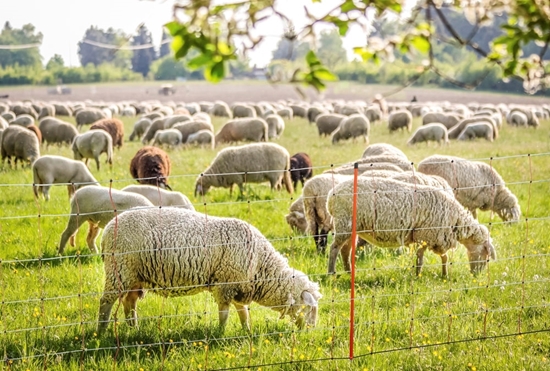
x=157 y=242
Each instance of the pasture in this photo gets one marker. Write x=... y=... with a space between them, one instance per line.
x=496 y=320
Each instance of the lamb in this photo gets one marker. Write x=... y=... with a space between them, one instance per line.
x=49 y=170
x=220 y=109
x=97 y=205
x=20 y=143
x=140 y=127
x=151 y=165
x=23 y=120
x=354 y=126
x=275 y=125
x=243 y=110
x=231 y=259
x=251 y=163
x=400 y=120
x=296 y=217
x=328 y=122
x=168 y=137
x=191 y=127
x=391 y=213
x=149 y=134
x=114 y=127
x=477 y=130
x=161 y=197
x=476 y=185
x=430 y=132
x=301 y=168
x=383 y=149
x=57 y=131
x=88 y=116
x=202 y=137
x=254 y=129
x=92 y=144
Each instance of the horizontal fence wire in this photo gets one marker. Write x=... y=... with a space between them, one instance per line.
x=335 y=303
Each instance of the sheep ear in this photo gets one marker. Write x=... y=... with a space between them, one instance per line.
x=289 y=302
x=309 y=299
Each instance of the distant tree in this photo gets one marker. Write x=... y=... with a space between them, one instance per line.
x=290 y=50
x=164 y=49
x=142 y=58
x=55 y=62
x=97 y=55
x=331 y=50
x=23 y=36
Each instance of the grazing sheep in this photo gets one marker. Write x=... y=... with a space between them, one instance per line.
x=517 y=118
x=168 y=137
x=383 y=149
x=146 y=249
x=202 y=116
x=354 y=126
x=286 y=113
x=36 y=132
x=20 y=109
x=20 y=143
x=220 y=109
x=430 y=132
x=57 y=131
x=23 y=120
x=149 y=134
x=400 y=120
x=391 y=213
x=170 y=121
x=301 y=168
x=129 y=111
x=151 y=165
x=161 y=197
x=328 y=122
x=477 y=130
x=447 y=120
x=92 y=144
x=202 y=137
x=155 y=115
x=191 y=127
x=114 y=127
x=298 y=111
x=313 y=112
x=348 y=169
x=532 y=119
x=243 y=110
x=373 y=113
x=296 y=217
x=140 y=127
x=455 y=131
x=88 y=116
x=49 y=170
x=47 y=110
x=97 y=205
x=398 y=161
x=275 y=125
x=3 y=123
x=476 y=185
x=251 y=163
x=62 y=109
x=8 y=116
x=253 y=129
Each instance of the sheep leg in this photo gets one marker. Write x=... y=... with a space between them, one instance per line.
x=71 y=190
x=420 y=259
x=96 y=158
x=322 y=240
x=345 y=252
x=242 y=310
x=72 y=227
x=46 y=192
x=93 y=231
x=444 y=259
x=334 y=250
x=105 y=306
x=223 y=312
x=130 y=305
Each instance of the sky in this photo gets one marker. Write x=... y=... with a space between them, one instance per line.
x=64 y=22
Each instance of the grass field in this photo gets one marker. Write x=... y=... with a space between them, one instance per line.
x=496 y=320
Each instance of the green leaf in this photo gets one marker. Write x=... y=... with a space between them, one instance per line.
x=324 y=74
x=199 y=61
x=174 y=27
x=420 y=43
x=312 y=59
x=215 y=72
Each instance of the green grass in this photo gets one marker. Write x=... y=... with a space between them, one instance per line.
x=395 y=309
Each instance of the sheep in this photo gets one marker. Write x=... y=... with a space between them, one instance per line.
x=191 y=127
x=205 y=106
x=47 y=110
x=477 y=130
x=88 y=116
x=149 y=134
x=155 y=115
x=298 y=111
x=398 y=161
x=36 y=132
x=328 y=122
x=151 y=165
x=254 y=129
x=20 y=143
x=97 y=205
x=313 y=112
x=92 y=144
x=240 y=267
x=251 y=163
x=114 y=127
x=296 y=217
x=354 y=126
x=517 y=118
x=23 y=120
x=201 y=137
x=220 y=109
x=532 y=119
x=285 y=112
x=301 y=168
x=3 y=123
x=170 y=121
x=391 y=213
x=62 y=109
x=348 y=169
x=455 y=131
x=243 y=110
x=202 y=116
x=8 y=116
x=161 y=197
x=26 y=109
x=140 y=127
x=373 y=113
x=434 y=131
x=447 y=120
x=275 y=125
x=168 y=137
x=476 y=185
x=400 y=120
x=57 y=131
x=49 y=169
x=383 y=149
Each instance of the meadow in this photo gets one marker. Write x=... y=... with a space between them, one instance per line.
x=496 y=320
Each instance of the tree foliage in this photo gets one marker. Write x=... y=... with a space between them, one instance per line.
x=331 y=50
x=164 y=49
x=26 y=35
x=96 y=55
x=142 y=58
x=290 y=50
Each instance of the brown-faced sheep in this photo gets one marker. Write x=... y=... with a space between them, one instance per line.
x=248 y=129
x=301 y=168
x=114 y=127
x=151 y=165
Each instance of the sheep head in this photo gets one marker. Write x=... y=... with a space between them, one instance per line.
x=297 y=220
x=302 y=303
x=201 y=189
x=480 y=254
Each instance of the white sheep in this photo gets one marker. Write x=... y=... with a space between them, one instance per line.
x=97 y=206
x=275 y=124
x=383 y=149
x=161 y=197
x=356 y=125
x=251 y=129
x=167 y=137
x=178 y=252
x=391 y=213
x=92 y=144
x=250 y=163
x=20 y=143
x=48 y=170
x=517 y=118
x=430 y=132
x=400 y=120
x=296 y=217
x=477 y=130
x=476 y=185
x=202 y=137
x=140 y=127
